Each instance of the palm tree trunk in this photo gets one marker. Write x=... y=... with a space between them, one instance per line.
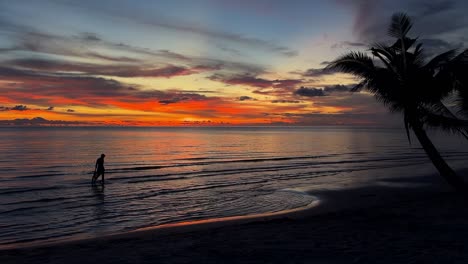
x=444 y=169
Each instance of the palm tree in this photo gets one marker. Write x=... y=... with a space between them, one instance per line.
x=399 y=77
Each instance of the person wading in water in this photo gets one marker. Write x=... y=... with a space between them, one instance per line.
x=99 y=169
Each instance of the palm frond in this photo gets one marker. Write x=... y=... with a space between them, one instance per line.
x=400 y=25
x=449 y=124
x=439 y=115
x=463 y=100
x=385 y=50
x=462 y=57
x=418 y=50
x=405 y=42
x=356 y=63
x=385 y=55
x=441 y=59
x=403 y=81
x=358 y=87
x=419 y=55
x=452 y=75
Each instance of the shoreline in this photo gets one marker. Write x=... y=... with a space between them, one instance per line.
x=172 y=228
x=325 y=201
x=415 y=219
x=391 y=233
x=332 y=206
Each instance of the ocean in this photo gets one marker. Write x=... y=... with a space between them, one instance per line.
x=156 y=176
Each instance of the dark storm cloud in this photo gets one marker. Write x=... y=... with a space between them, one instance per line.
x=317 y=92
x=30 y=39
x=349 y=44
x=222 y=35
x=180 y=97
x=201 y=91
x=248 y=80
x=431 y=18
x=14 y=108
x=37 y=88
x=283 y=101
x=108 y=70
x=173 y=55
x=89 y=36
x=124 y=59
x=357 y=103
x=309 y=92
x=318 y=72
x=59 y=84
x=436 y=43
x=167 y=72
x=435 y=46
x=246 y=98
x=337 y=88
x=429 y=8
x=255 y=81
x=84 y=45
x=19 y=108
x=227 y=49
x=161 y=21
x=164 y=22
x=440 y=24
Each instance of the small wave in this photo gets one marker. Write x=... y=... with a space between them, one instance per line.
x=269 y=168
x=39 y=175
x=153 y=167
x=43 y=200
x=29 y=189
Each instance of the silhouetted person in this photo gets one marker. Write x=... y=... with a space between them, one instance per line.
x=99 y=169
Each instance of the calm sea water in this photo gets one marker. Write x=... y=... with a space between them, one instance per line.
x=156 y=176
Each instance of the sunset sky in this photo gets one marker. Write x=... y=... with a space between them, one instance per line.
x=203 y=62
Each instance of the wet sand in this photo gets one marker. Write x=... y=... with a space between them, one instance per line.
x=394 y=222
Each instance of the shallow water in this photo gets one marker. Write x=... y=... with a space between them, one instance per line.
x=156 y=176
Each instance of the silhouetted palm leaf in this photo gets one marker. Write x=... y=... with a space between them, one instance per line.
x=400 y=26
x=441 y=59
x=356 y=63
x=401 y=80
x=463 y=101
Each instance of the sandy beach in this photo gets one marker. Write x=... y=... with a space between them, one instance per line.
x=417 y=223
